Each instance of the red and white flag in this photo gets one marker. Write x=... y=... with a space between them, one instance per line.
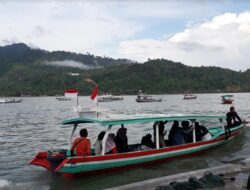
x=94 y=93
x=72 y=93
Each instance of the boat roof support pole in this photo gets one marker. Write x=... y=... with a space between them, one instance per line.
x=157 y=136
x=194 y=134
x=104 y=140
x=71 y=136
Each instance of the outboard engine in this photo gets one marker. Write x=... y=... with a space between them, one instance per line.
x=55 y=157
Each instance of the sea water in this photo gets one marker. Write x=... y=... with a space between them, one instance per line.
x=35 y=125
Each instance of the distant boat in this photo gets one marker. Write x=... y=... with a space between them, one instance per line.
x=109 y=98
x=9 y=100
x=147 y=98
x=189 y=97
x=227 y=99
x=141 y=97
x=63 y=98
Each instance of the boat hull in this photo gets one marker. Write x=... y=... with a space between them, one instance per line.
x=77 y=166
x=189 y=98
x=151 y=100
x=227 y=102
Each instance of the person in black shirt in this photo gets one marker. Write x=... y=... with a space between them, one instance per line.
x=233 y=119
x=147 y=143
x=201 y=132
x=121 y=140
x=187 y=130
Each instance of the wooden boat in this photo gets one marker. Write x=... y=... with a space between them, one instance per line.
x=227 y=99
x=62 y=163
x=63 y=98
x=146 y=98
x=189 y=97
x=109 y=98
x=10 y=100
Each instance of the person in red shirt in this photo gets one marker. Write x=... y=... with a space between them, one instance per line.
x=81 y=144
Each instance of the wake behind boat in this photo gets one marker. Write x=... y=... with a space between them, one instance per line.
x=62 y=162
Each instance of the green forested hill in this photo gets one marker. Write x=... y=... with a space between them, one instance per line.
x=22 y=72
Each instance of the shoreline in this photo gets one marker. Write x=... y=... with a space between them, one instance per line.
x=226 y=169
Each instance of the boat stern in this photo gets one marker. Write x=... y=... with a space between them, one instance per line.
x=50 y=160
x=40 y=159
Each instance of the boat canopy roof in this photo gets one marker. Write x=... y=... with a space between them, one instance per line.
x=135 y=119
x=227 y=96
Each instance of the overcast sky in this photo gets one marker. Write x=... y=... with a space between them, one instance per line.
x=197 y=32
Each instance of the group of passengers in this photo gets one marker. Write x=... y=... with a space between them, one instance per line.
x=178 y=135
x=114 y=143
x=181 y=135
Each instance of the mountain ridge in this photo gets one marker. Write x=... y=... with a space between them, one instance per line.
x=23 y=72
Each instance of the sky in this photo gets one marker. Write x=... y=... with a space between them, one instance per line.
x=193 y=32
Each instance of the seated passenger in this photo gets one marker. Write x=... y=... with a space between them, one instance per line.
x=187 y=130
x=147 y=143
x=110 y=147
x=233 y=119
x=121 y=140
x=176 y=135
x=81 y=144
x=201 y=132
x=98 y=143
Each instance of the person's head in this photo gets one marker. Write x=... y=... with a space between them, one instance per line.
x=232 y=109
x=122 y=132
x=111 y=136
x=185 y=124
x=83 y=133
x=196 y=124
x=175 y=125
x=101 y=135
x=149 y=136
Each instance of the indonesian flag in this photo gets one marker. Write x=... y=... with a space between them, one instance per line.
x=72 y=93
x=94 y=93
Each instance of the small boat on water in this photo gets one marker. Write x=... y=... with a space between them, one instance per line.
x=227 y=99
x=189 y=97
x=109 y=98
x=147 y=98
x=10 y=100
x=141 y=97
x=61 y=161
x=63 y=98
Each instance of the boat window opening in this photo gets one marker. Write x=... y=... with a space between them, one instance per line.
x=134 y=144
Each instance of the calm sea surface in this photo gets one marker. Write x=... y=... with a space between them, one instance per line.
x=34 y=125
